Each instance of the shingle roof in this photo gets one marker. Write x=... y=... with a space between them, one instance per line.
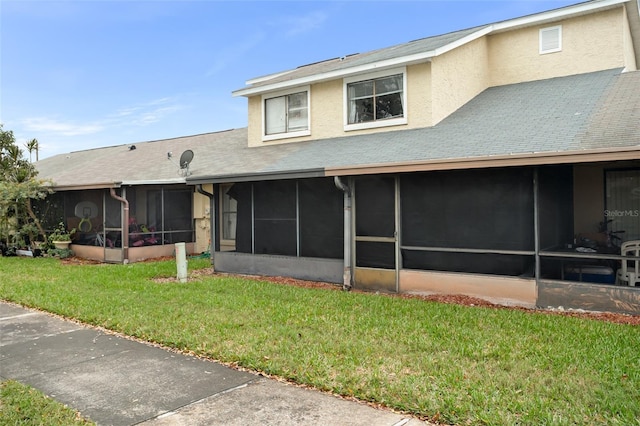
x=599 y=110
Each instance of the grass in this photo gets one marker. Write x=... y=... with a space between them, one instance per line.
x=455 y=364
x=25 y=406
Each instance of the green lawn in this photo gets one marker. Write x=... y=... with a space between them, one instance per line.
x=25 y=406
x=457 y=364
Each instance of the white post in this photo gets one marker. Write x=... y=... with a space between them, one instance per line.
x=181 y=262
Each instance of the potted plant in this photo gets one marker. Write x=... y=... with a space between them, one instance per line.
x=60 y=237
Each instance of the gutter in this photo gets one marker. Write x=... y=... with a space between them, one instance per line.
x=252 y=177
x=212 y=219
x=525 y=159
x=125 y=227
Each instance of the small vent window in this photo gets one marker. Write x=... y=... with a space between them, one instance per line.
x=551 y=39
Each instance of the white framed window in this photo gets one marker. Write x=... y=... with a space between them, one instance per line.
x=228 y=214
x=375 y=100
x=551 y=39
x=286 y=114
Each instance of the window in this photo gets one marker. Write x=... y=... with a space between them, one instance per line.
x=286 y=115
x=375 y=100
x=229 y=214
x=551 y=39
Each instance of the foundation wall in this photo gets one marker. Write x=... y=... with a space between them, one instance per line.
x=496 y=289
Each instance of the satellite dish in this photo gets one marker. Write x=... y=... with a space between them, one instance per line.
x=185 y=159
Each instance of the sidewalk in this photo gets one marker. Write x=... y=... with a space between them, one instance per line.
x=116 y=381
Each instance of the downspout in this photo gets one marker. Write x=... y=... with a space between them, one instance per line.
x=346 y=276
x=125 y=226
x=212 y=219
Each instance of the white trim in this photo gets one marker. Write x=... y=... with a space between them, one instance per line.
x=285 y=135
x=389 y=63
x=556 y=14
x=153 y=182
x=552 y=31
x=375 y=123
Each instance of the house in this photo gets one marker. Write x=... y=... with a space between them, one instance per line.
x=501 y=162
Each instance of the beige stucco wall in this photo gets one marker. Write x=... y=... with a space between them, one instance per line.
x=202 y=216
x=457 y=77
x=629 y=52
x=254 y=124
x=327 y=109
x=496 y=289
x=589 y=43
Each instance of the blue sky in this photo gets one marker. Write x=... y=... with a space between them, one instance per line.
x=81 y=74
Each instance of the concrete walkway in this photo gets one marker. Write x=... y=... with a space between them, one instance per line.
x=117 y=381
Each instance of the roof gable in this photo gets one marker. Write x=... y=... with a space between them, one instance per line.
x=416 y=51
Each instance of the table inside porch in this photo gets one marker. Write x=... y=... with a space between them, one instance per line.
x=587 y=261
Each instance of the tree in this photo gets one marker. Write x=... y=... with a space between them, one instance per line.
x=31 y=146
x=18 y=186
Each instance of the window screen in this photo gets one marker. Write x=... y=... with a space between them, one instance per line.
x=555 y=206
x=479 y=209
x=375 y=206
x=241 y=193
x=321 y=219
x=275 y=217
x=623 y=203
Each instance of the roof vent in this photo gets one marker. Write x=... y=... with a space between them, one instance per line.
x=551 y=39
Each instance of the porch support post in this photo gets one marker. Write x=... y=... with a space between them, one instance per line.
x=125 y=225
x=212 y=220
x=346 y=276
x=536 y=224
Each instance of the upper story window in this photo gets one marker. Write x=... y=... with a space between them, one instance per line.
x=286 y=115
x=551 y=39
x=375 y=100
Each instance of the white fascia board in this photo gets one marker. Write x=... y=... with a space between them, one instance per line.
x=556 y=14
x=153 y=182
x=380 y=65
x=464 y=40
x=332 y=75
x=267 y=77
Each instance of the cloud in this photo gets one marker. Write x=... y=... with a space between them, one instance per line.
x=50 y=125
x=146 y=113
x=136 y=115
x=224 y=57
x=302 y=24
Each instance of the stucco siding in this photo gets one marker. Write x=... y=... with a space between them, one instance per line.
x=496 y=289
x=326 y=110
x=419 y=104
x=589 y=43
x=457 y=76
x=254 y=110
x=629 y=52
x=201 y=215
